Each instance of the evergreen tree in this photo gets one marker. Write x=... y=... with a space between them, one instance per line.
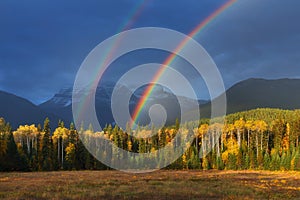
x=13 y=160
x=267 y=161
x=194 y=161
x=46 y=147
x=162 y=137
x=80 y=155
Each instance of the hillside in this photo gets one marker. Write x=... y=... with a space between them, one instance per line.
x=17 y=110
x=261 y=93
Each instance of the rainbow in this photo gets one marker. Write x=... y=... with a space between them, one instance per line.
x=133 y=16
x=170 y=59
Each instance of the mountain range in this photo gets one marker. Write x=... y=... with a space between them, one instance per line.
x=60 y=104
x=245 y=95
x=18 y=111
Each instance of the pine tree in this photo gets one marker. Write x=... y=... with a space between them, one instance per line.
x=162 y=137
x=70 y=156
x=194 y=161
x=46 y=147
x=3 y=140
x=239 y=160
x=267 y=161
x=275 y=160
x=13 y=160
x=247 y=161
x=205 y=163
x=231 y=162
x=296 y=160
x=80 y=155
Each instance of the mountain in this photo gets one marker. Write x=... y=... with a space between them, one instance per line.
x=60 y=104
x=261 y=93
x=245 y=95
x=254 y=93
x=18 y=111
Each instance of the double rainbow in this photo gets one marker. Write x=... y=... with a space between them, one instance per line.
x=133 y=17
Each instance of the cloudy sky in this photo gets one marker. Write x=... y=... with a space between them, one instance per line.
x=43 y=43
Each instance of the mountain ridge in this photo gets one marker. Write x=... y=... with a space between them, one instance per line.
x=18 y=110
x=260 y=93
x=56 y=104
x=245 y=95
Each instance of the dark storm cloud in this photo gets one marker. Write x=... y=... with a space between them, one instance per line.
x=42 y=43
x=178 y=15
x=256 y=39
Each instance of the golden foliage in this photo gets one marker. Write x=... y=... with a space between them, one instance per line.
x=232 y=148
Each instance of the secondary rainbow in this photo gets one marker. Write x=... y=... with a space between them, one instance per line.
x=128 y=23
x=170 y=59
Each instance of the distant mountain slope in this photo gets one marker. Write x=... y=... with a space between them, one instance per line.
x=18 y=111
x=261 y=93
x=60 y=104
x=245 y=95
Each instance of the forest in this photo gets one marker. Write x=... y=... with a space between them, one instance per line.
x=260 y=139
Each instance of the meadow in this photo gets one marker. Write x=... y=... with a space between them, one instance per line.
x=171 y=184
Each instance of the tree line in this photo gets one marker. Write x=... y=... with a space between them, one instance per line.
x=257 y=139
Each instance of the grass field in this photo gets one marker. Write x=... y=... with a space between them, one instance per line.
x=156 y=185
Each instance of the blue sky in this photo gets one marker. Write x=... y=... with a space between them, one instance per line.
x=43 y=43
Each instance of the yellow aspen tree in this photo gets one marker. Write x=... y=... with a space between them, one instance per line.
x=203 y=129
x=239 y=126
x=26 y=134
x=249 y=125
x=61 y=134
x=286 y=138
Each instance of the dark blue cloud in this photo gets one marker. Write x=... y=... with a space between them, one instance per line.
x=256 y=39
x=42 y=43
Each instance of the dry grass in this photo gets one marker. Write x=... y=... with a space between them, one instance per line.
x=157 y=185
